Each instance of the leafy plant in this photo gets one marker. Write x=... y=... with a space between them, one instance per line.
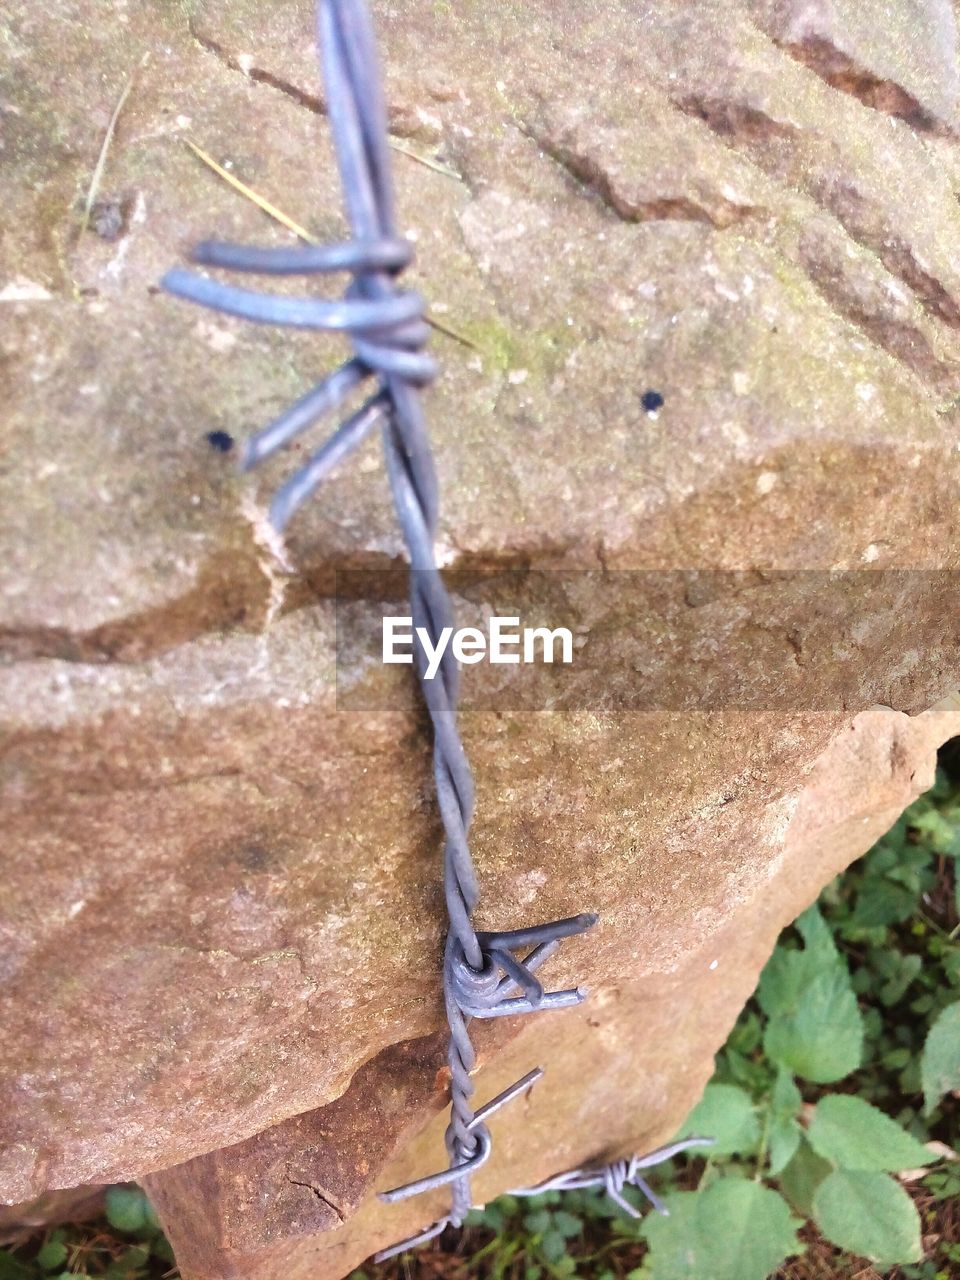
x=940 y=1064
x=863 y=993
x=126 y=1245
x=735 y=1229
x=546 y=1227
x=834 y=1157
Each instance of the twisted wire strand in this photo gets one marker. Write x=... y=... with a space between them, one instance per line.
x=616 y=1175
x=482 y=975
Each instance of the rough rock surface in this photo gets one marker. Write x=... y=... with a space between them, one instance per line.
x=621 y=1069
x=220 y=908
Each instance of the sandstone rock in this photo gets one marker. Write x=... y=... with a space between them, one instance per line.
x=638 y=1051
x=898 y=58
x=220 y=918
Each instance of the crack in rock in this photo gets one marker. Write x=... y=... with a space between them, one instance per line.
x=623 y=195
x=842 y=72
x=744 y=125
x=736 y=121
x=856 y=217
x=876 y=317
x=323 y=1196
x=405 y=120
x=244 y=64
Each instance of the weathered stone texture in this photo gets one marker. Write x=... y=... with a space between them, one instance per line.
x=220 y=909
x=621 y=1068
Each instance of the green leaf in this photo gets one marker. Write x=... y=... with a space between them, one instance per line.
x=785 y=976
x=553 y=1246
x=490 y=1217
x=727 y=1114
x=817 y=938
x=882 y=902
x=785 y=1100
x=944 y=1184
x=538 y=1222
x=784 y=1131
x=126 y=1208
x=868 y=1213
x=51 y=1255
x=938 y=833
x=130 y=1264
x=815 y=1025
x=907 y=971
x=745 y=1036
x=782 y=1144
x=736 y=1068
x=821 y=1036
x=851 y=1133
x=802 y=1176
x=160 y=1248
x=940 y=1061
x=12 y=1268
x=736 y=1229
x=568 y=1225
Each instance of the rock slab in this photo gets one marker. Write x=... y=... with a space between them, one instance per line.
x=221 y=895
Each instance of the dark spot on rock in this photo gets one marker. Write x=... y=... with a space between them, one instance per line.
x=254 y=857
x=222 y=441
x=651 y=401
x=108 y=219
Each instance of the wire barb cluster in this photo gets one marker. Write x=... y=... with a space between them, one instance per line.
x=485 y=974
x=616 y=1175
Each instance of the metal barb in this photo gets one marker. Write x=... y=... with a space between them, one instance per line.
x=386 y=326
x=412 y=1242
x=451 y=1174
x=434 y=1180
x=477 y=1125
x=616 y=1175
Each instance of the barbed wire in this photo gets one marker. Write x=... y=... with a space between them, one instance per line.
x=485 y=974
x=616 y=1175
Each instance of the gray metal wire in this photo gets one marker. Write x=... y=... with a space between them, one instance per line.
x=613 y=1177
x=485 y=974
